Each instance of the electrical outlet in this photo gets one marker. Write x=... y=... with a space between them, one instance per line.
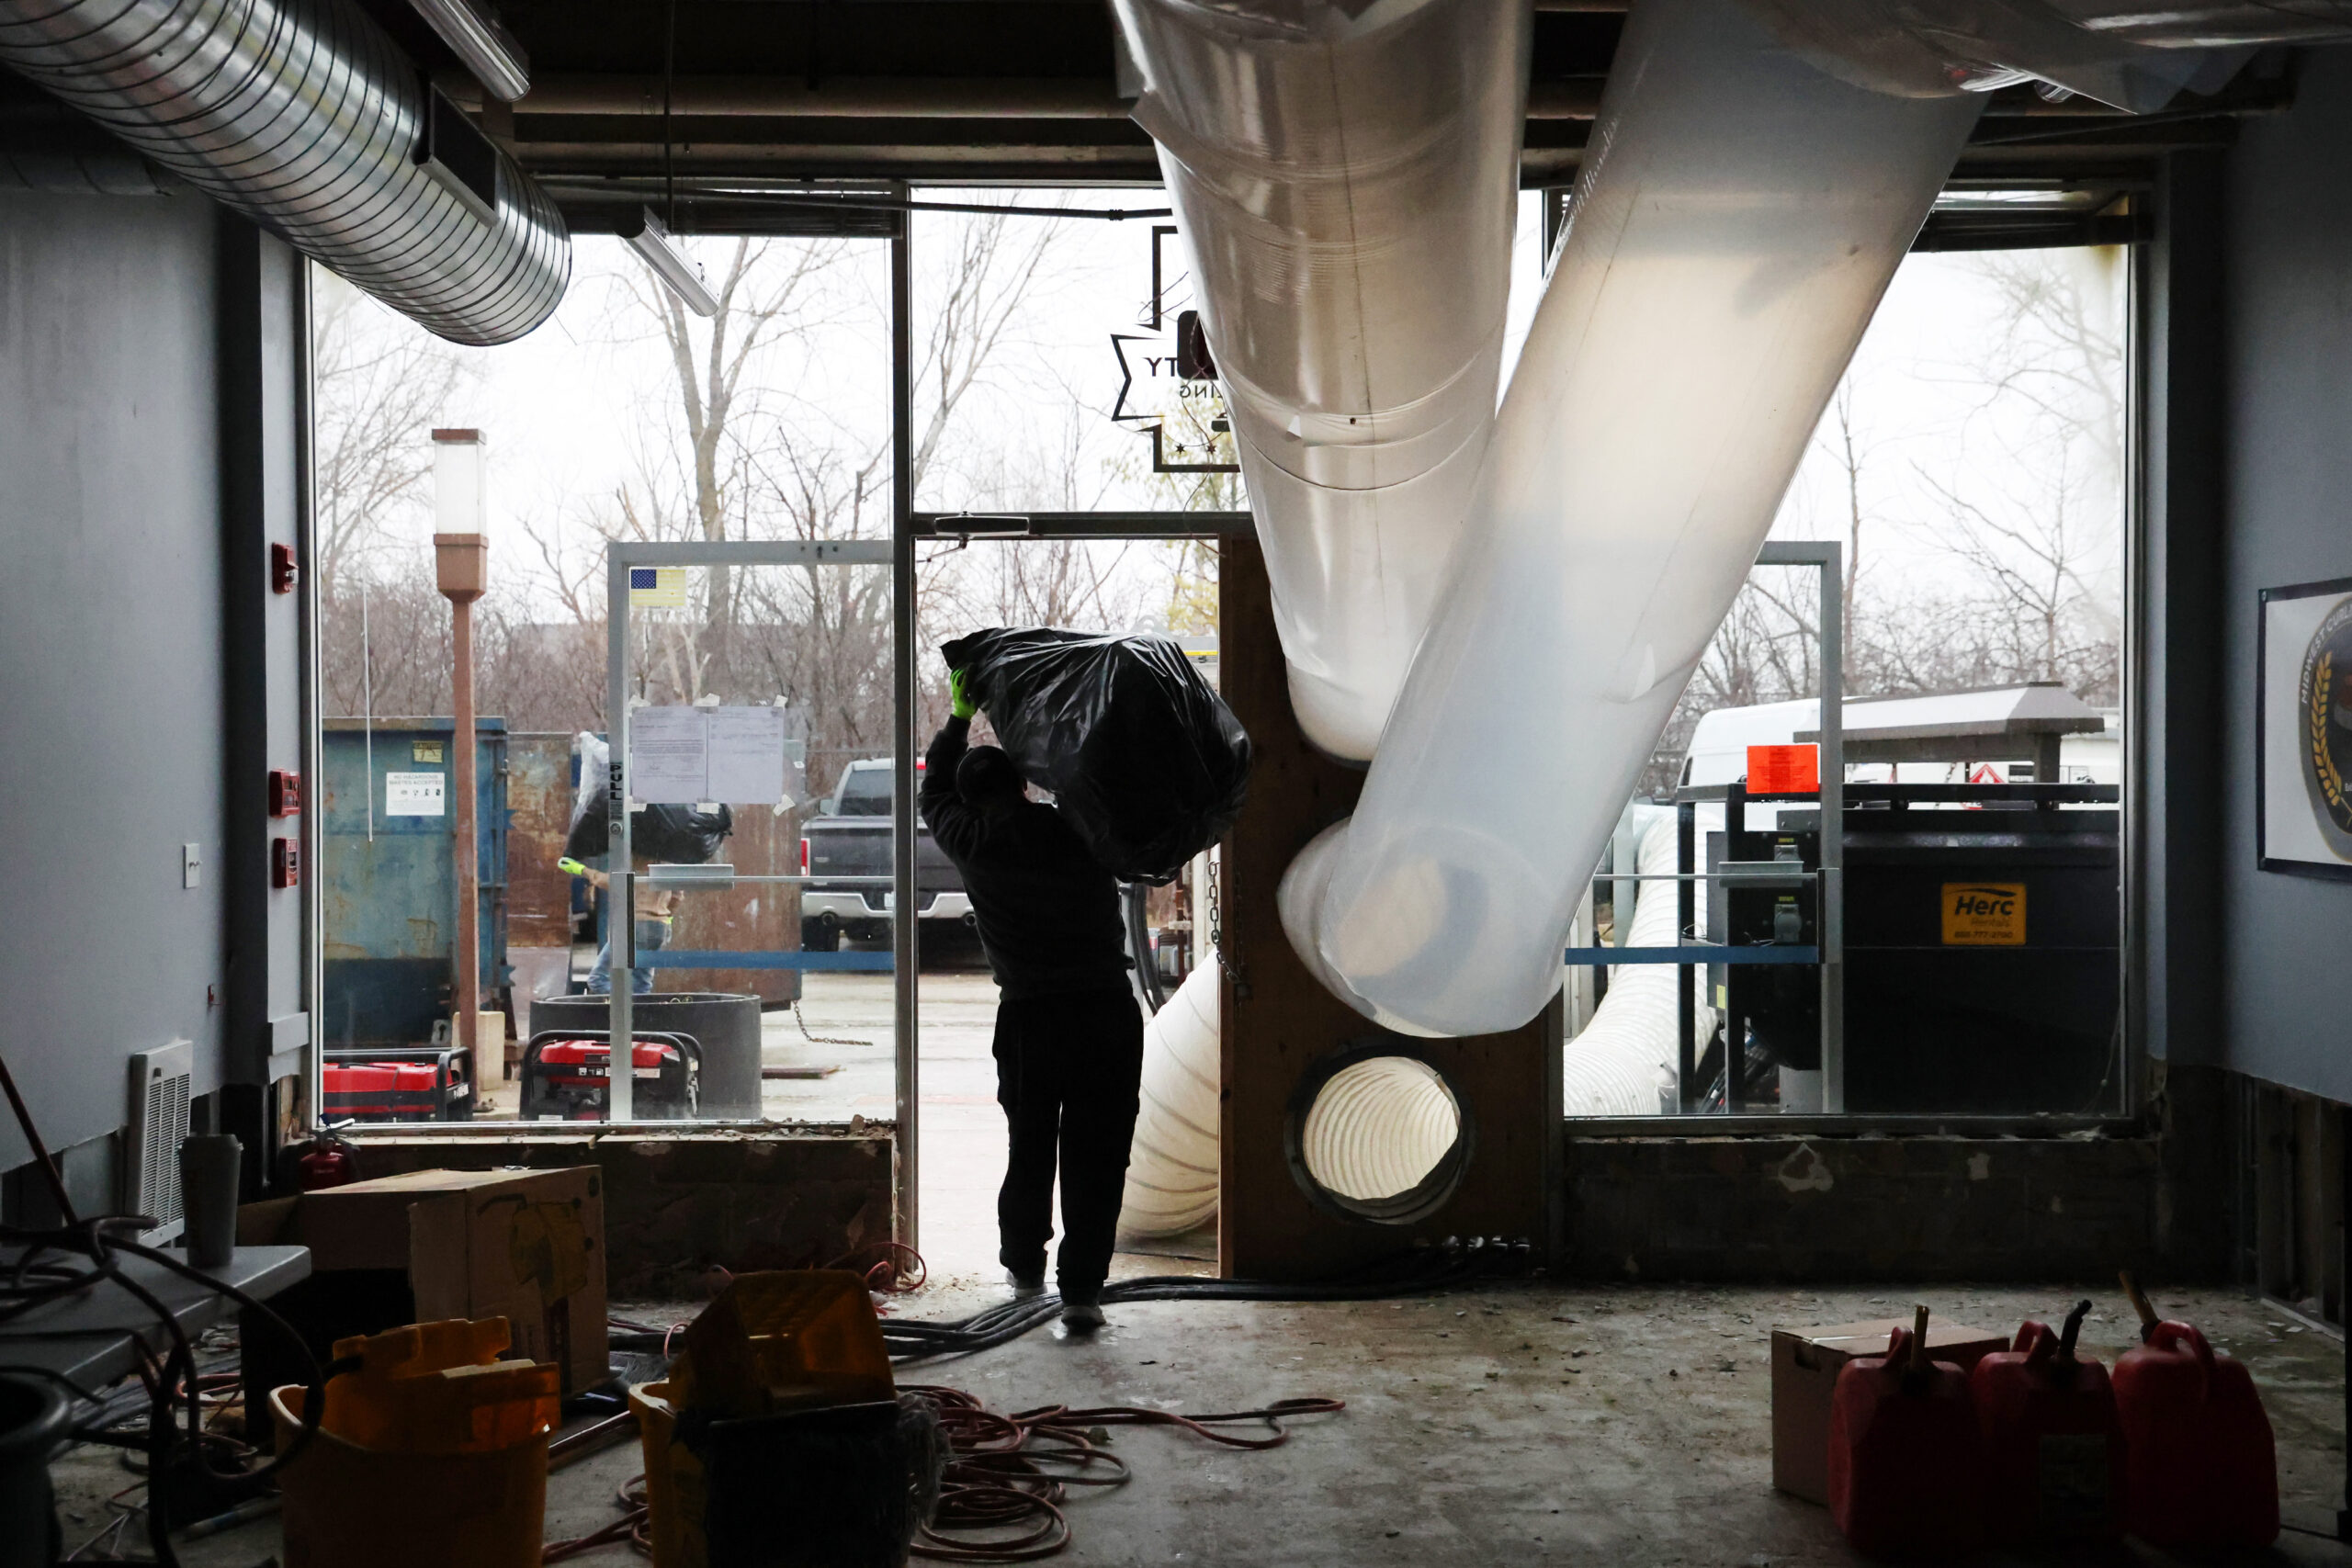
x=191 y=866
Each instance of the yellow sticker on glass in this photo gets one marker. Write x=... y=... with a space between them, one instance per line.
x=1984 y=914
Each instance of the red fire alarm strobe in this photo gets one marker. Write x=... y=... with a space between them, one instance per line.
x=284 y=864
x=285 y=791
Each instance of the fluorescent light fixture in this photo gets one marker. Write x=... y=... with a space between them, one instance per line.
x=487 y=50
x=652 y=241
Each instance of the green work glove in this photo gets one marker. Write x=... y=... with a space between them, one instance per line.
x=959 y=696
x=570 y=867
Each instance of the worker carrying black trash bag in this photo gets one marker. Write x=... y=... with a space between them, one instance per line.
x=1143 y=758
x=1068 y=1035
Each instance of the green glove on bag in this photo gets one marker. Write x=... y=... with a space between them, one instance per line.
x=959 y=696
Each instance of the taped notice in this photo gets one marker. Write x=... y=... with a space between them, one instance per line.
x=682 y=756
x=415 y=795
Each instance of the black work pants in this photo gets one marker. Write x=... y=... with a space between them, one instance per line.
x=1068 y=1068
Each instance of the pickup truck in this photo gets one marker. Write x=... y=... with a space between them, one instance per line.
x=850 y=835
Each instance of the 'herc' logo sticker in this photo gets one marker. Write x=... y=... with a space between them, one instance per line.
x=1984 y=914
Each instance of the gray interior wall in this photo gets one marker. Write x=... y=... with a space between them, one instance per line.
x=127 y=483
x=2286 y=940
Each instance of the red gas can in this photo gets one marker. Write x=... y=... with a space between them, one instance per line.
x=2054 y=1448
x=1906 y=1461
x=2201 y=1470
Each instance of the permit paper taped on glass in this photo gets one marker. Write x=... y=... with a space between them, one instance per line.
x=741 y=756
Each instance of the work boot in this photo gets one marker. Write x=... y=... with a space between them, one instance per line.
x=1025 y=1287
x=1081 y=1311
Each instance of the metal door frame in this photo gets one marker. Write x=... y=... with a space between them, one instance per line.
x=620 y=904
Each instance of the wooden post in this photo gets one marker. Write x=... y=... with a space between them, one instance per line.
x=462 y=563
x=1276 y=1022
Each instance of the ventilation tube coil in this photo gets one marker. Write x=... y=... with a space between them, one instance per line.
x=304 y=116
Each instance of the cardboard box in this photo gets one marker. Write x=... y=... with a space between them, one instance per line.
x=1806 y=1363
x=527 y=1245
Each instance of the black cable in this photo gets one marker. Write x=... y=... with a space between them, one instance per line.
x=40 y=1150
x=90 y=1240
x=1417 y=1273
x=669 y=71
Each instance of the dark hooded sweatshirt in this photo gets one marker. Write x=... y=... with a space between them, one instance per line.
x=1049 y=915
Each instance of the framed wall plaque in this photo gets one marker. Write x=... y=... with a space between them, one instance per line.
x=2303 y=766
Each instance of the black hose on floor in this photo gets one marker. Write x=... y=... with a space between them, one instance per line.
x=1417 y=1272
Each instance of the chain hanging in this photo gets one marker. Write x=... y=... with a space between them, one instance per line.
x=1216 y=928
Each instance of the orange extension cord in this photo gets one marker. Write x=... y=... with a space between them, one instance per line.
x=1007 y=1473
x=1011 y=1472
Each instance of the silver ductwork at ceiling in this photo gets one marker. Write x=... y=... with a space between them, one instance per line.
x=304 y=116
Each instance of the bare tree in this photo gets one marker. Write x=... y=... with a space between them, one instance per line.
x=768 y=291
x=380 y=386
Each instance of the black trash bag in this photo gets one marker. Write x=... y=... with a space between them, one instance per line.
x=1141 y=753
x=674 y=835
x=679 y=835
x=587 y=836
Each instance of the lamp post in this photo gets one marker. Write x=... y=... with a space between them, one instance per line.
x=461 y=562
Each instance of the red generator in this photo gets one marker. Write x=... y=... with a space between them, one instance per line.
x=379 y=1091
x=2053 y=1448
x=2201 y=1470
x=1905 y=1461
x=395 y=1083
x=564 y=1076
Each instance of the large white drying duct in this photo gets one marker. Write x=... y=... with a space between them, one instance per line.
x=1738 y=216
x=1342 y=170
x=1171 y=1165
x=1345 y=174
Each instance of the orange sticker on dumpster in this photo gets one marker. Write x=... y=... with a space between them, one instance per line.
x=1984 y=914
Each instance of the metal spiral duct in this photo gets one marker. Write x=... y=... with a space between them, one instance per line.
x=305 y=116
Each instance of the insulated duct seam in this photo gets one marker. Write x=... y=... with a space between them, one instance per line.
x=304 y=116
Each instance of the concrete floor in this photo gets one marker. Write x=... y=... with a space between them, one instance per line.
x=1520 y=1424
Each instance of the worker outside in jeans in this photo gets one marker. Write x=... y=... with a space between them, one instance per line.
x=655 y=909
x=1068 y=1035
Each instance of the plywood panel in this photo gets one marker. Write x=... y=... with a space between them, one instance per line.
x=1277 y=1021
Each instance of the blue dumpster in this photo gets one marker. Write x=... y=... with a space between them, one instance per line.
x=387 y=880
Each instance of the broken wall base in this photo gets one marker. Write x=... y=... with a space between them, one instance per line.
x=2156 y=1199
x=677 y=1203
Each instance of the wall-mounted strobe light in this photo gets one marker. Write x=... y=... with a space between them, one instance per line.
x=683 y=279
x=487 y=50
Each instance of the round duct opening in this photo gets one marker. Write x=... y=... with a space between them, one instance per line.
x=1377 y=1134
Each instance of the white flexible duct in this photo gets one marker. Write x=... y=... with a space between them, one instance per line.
x=1739 y=214
x=1378 y=1127
x=1345 y=173
x=1625 y=1062
x=1171 y=1166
